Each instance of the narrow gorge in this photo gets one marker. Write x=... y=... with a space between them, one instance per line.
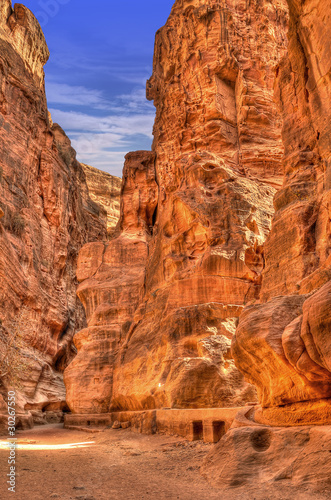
x=163 y=297
x=192 y=297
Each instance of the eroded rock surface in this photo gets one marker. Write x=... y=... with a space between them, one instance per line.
x=47 y=216
x=112 y=287
x=274 y=460
x=105 y=189
x=198 y=214
x=283 y=343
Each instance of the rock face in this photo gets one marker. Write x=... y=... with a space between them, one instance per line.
x=47 y=216
x=283 y=343
x=167 y=292
x=112 y=287
x=273 y=460
x=105 y=189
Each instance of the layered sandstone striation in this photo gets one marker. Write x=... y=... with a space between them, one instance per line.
x=195 y=214
x=105 y=189
x=283 y=343
x=47 y=216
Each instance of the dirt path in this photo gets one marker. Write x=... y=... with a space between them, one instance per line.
x=112 y=465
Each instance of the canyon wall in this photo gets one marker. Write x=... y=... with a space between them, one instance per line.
x=46 y=217
x=163 y=297
x=105 y=189
x=112 y=277
x=283 y=343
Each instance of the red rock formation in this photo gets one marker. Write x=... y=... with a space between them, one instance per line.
x=47 y=217
x=105 y=189
x=283 y=343
x=217 y=163
x=112 y=277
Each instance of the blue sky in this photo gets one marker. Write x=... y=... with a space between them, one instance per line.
x=101 y=56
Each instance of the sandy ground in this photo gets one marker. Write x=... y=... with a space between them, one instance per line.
x=114 y=465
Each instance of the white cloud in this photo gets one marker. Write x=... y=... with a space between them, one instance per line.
x=102 y=141
x=71 y=95
x=118 y=125
x=135 y=101
x=109 y=162
x=61 y=93
x=115 y=65
x=94 y=138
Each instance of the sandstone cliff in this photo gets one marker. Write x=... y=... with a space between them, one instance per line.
x=105 y=189
x=167 y=292
x=47 y=216
x=282 y=344
x=112 y=276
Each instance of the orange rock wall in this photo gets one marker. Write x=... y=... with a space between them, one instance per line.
x=201 y=211
x=47 y=217
x=105 y=189
x=112 y=279
x=283 y=343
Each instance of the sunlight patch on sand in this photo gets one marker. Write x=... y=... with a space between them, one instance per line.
x=4 y=445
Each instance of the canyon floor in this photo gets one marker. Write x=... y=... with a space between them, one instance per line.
x=116 y=465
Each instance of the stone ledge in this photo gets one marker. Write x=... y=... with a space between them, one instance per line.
x=207 y=424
